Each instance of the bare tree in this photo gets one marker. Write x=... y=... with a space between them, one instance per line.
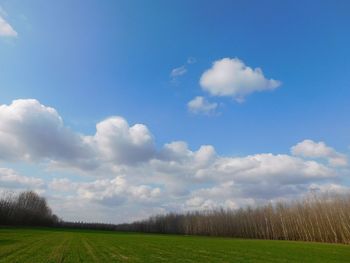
x=26 y=208
x=315 y=218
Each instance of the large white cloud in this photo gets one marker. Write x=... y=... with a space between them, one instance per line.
x=231 y=77
x=311 y=149
x=126 y=169
x=31 y=131
x=119 y=142
x=268 y=167
x=258 y=178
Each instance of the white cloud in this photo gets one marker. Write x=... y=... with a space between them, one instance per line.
x=6 y=30
x=182 y=70
x=198 y=203
x=178 y=153
x=11 y=179
x=267 y=168
x=176 y=72
x=119 y=142
x=126 y=169
x=31 y=131
x=231 y=77
x=226 y=195
x=199 y=105
x=62 y=185
x=311 y=149
x=329 y=188
x=114 y=191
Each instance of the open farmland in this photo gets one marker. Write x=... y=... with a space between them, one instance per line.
x=57 y=245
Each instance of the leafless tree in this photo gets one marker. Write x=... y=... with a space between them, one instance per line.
x=26 y=208
x=323 y=218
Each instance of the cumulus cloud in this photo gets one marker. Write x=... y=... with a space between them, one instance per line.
x=240 y=179
x=6 y=30
x=311 y=149
x=108 y=191
x=269 y=167
x=227 y=195
x=260 y=177
x=126 y=168
x=329 y=188
x=11 y=179
x=31 y=131
x=119 y=142
x=176 y=155
x=256 y=179
x=62 y=185
x=231 y=77
x=199 y=105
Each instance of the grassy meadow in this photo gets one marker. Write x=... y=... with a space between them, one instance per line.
x=61 y=245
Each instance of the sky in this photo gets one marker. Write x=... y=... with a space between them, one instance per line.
x=125 y=109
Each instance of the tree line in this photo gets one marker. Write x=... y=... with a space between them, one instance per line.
x=30 y=209
x=26 y=209
x=315 y=218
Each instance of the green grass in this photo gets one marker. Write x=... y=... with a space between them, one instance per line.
x=57 y=245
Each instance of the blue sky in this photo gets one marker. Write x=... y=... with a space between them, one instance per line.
x=90 y=60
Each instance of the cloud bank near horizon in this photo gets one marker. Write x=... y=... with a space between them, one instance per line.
x=121 y=167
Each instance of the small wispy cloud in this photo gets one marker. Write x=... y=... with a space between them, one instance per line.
x=6 y=30
x=191 y=60
x=200 y=105
x=176 y=72
x=182 y=70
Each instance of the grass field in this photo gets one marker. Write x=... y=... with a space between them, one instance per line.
x=57 y=245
